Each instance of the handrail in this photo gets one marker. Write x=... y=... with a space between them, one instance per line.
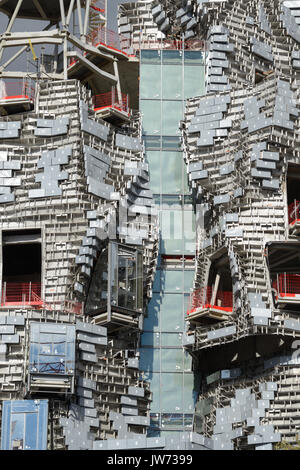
x=294 y=212
x=287 y=285
x=29 y=294
x=201 y=298
x=111 y=100
x=17 y=89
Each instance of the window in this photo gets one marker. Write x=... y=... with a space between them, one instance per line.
x=172 y=172
x=172 y=82
x=150 y=82
x=151 y=113
x=126 y=277
x=172 y=393
x=172 y=113
x=52 y=349
x=24 y=425
x=22 y=267
x=118 y=279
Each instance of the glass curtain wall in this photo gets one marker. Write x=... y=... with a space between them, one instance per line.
x=167 y=79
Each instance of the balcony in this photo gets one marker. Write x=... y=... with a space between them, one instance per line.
x=17 y=96
x=21 y=294
x=28 y=295
x=204 y=303
x=112 y=107
x=287 y=288
x=101 y=36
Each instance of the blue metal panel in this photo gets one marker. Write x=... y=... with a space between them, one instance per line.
x=24 y=425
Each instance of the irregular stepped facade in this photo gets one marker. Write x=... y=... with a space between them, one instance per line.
x=241 y=148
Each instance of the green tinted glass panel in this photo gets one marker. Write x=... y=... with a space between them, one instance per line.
x=171 y=200
x=151 y=322
x=150 y=339
x=172 y=281
x=152 y=142
x=150 y=57
x=171 y=231
x=189 y=232
x=150 y=82
x=172 y=396
x=171 y=165
x=193 y=58
x=172 y=57
x=172 y=113
x=171 y=314
x=171 y=360
x=171 y=143
x=157 y=284
x=171 y=340
x=150 y=359
x=187 y=362
x=154 y=159
x=155 y=390
x=188 y=280
x=151 y=117
x=172 y=86
x=194 y=81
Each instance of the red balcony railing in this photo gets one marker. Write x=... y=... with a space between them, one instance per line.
x=103 y=36
x=21 y=89
x=287 y=285
x=294 y=212
x=111 y=100
x=201 y=298
x=21 y=293
x=29 y=294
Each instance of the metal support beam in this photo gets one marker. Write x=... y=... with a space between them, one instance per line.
x=34 y=76
x=71 y=7
x=23 y=42
x=86 y=47
x=103 y=75
x=86 y=18
x=79 y=18
x=65 y=58
x=62 y=13
x=215 y=289
x=15 y=14
x=10 y=25
x=116 y=72
x=39 y=9
x=14 y=57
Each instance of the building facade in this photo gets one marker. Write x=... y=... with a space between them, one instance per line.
x=134 y=168
x=240 y=144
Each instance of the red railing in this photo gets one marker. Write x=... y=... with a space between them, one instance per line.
x=294 y=212
x=29 y=294
x=201 y=298
x=287 y=285
x=98 y=6
x=108 y=38
x=21 y=293
x=111 y=100
x=20 y=89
